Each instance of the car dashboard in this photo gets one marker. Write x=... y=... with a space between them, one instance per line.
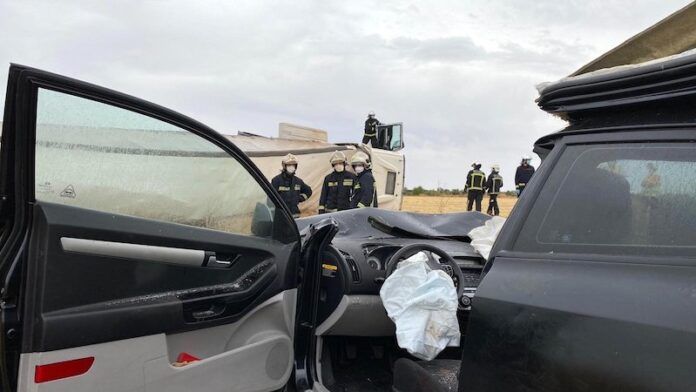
x=354 y=265
x=367 y=261
x=354 y=271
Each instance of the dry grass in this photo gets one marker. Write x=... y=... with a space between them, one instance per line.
x=445 y=204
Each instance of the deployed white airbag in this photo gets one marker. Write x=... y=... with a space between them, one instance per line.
x=483 y=237
x=423 y=305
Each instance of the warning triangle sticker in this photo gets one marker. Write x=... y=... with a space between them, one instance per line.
x=69 y=191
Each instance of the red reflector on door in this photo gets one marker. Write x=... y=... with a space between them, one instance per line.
x=65 y=369
x=186 y=357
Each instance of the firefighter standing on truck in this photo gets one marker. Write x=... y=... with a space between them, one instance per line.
x=493 y=185
x=338 y=186
x=364 y=192
x=370 y=134
x=475 y=180
x=523 y=174
x=292 y=189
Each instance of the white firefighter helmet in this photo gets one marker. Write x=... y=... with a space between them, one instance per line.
x=289 y=160
x=338 y=157
x=359 y=159
x=527 y=158
x=371 y=113
x=495 y=167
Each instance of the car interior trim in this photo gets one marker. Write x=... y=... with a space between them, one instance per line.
x=358 y=315
x=160 y=254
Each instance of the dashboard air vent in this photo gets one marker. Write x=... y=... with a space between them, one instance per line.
x=354 y=272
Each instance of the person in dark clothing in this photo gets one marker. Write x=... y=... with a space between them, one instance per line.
x=338 y=186
x=370 y=135
x=523 y=174
x=475 y=180
x=493 y=185
x=364 y=192
x=292 y=189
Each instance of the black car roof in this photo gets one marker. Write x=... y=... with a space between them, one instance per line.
x=657 y=93
x=657 y=80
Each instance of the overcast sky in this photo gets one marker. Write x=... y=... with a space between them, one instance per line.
x=460 y=75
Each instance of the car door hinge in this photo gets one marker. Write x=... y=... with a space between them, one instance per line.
x=10 y=320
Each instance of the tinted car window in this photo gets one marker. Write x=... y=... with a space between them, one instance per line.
x=97 y=156
x=617 y=199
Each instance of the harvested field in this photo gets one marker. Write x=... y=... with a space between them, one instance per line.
x=444 y=204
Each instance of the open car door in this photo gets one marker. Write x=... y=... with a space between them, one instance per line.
x=140 y=250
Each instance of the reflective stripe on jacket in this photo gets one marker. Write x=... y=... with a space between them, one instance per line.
x=371 y=127
x=336 y=191
x=292 y=190
x=475 y=180
x=364 y=191
x=494 y=183
x=523 y=175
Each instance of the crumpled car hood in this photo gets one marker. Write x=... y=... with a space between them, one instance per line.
x=356 y=223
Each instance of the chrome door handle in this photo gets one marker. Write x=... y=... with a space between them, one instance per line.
x=226 y=262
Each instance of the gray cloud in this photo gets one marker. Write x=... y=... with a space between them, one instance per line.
x=460 y=75
x=445 y=49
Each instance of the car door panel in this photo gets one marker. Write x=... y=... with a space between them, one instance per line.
x=81 y=302
x=145 y=363
x=573 y=325
x=131 y=285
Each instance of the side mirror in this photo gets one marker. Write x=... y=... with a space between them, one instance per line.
x=262 y=220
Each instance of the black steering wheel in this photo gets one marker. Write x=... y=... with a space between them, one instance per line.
x=410 y=250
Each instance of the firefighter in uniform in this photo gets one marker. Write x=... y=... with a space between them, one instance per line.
x=338 y=186
x=493 y=185
x=475 y=180
x=523 y=174
x=364 y=191
x=292 y=189
x=371 y=130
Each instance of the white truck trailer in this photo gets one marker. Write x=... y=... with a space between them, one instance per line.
x=313 y=151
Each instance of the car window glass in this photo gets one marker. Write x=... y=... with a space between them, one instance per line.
x=390 y=186
x=617 y=199
x=395 y=137
x=98 y=156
